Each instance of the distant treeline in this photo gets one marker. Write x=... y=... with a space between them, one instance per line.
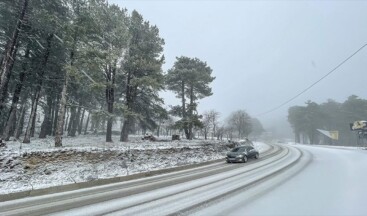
x=330 y=116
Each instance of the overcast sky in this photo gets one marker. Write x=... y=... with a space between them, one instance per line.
x=263 y=53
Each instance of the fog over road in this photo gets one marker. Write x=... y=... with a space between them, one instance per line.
x=286 y=180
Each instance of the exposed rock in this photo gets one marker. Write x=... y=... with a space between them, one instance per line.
x=47 y=171
x=91 y=178
x=29 y=166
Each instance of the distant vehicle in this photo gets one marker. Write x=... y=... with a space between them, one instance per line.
x=242 y=154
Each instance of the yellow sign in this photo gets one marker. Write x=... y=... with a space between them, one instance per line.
x=334 y=135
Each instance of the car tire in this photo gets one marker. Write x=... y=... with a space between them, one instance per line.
x=257 y=156
x=244 y=159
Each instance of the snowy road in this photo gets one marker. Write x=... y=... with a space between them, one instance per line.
x=146 y=189
x=333 y=183
x=289 y=180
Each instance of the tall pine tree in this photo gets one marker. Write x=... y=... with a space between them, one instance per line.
x=189 y=78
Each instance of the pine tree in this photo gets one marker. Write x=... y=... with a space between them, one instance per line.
x=189 y=79
x=10 y=52
x=112 y=47
x=142 y=68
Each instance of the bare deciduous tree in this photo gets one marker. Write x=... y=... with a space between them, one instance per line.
x=241 y=122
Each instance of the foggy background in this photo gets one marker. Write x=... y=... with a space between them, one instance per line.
x=264 y=53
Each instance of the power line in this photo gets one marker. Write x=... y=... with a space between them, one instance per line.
x=313 y=84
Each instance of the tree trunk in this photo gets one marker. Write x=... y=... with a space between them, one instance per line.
x=110 y=99
x=109 y=121
x=10 y=123
x=67 y=119
x=158 y=129
x=103 y=125
x=71 y=119
x=15 y=100
x=13 y=126
x=46 y=124
x=184 y=118
x=125 y=130
x=53 y=116
x=33 y=126
x=80 y=125
x=127 y=116
x=4 y=85
x=19 y=127
x=10 y=56
x=52 y=119
x=86 y=125
x=214 y=134
x=27 y=135
x=75 y=122
x=93 y=124
x=61 y=115
x=191 y=112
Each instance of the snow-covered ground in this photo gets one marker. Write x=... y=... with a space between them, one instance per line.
x=86 y=158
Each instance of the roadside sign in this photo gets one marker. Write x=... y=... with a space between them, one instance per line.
x=331 y=134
